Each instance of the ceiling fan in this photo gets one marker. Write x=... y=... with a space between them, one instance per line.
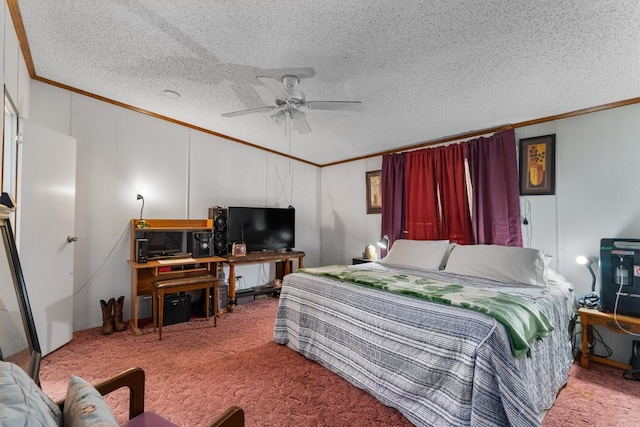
x=289 y=102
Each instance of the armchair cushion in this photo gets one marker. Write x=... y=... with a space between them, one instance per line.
x=22 y=402
x=85 y=406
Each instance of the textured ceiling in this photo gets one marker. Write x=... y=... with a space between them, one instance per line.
x=424 y=70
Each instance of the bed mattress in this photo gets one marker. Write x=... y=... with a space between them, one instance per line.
x=439 y=365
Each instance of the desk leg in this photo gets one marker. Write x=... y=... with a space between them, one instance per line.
x=232 y=287
x=160 y=307
x=154 y=309
x=134 y=302
x=586 y=333
x=206 y=303
x=215 y=304
x=300 y=263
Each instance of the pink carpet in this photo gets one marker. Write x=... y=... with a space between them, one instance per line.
x=197 y=371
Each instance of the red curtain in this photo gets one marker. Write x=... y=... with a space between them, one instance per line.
x=422 y=206
x=452 y=184
x=436 y=203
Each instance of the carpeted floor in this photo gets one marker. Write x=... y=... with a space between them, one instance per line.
x=197 y=371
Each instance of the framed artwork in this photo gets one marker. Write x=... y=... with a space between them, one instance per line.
x=374 y=192
x=538 y=165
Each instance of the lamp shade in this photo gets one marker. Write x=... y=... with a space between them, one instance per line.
x=384 y=242
x=583 y=260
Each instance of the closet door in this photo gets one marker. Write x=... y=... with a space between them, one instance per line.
x=45 y=224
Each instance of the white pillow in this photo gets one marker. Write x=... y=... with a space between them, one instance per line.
x=84 y=406
x=504 y=263
x=22 y=402
x=417 y=253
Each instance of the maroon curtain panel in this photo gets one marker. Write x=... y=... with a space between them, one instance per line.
x=393 y=197
x=423 y=208
x=452 y=184
x=495 y=191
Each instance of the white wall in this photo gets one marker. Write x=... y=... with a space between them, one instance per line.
x=597 y=175
x=345 y=226
x=185 y=173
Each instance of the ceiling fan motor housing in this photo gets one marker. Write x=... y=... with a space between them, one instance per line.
x=290 y=81
x=295 y=97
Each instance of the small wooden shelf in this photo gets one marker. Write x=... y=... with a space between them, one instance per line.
x=174 y=224
x=589 y=318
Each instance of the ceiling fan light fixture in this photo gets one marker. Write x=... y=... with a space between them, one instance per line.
x=278 y=118
x=299 y=122
x=297 y=116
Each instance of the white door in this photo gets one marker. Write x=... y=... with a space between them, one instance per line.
x=45 y=218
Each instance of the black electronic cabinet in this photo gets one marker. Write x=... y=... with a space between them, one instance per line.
x=620 y=276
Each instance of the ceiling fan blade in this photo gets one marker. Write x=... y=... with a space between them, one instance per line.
x=335 y=105
x=276 y=87
x=249 y=111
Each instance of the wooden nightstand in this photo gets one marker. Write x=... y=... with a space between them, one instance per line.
x=590 y=317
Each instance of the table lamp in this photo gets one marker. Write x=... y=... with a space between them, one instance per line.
x=590 y=300
x=141 y=223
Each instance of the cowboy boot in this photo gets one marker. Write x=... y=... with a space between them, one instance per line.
x=107 y=316
x=118 y=324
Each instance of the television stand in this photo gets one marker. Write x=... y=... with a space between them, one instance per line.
x=283 y=262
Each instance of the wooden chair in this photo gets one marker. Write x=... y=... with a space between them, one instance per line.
x=134 y=380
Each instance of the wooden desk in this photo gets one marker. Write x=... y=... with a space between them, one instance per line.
x=590 y=317
x=142 y=276
x=258 y=257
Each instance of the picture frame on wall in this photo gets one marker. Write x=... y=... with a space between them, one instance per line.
x=538 y=165
x=374 y=192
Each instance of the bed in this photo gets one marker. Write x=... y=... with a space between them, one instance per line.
x=438 y=364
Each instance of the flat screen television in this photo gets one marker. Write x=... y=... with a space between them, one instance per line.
x=261 y=229
x=164 y=242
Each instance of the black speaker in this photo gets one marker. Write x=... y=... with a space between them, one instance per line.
x=219 y=216
x=142 y=251
x=202 y=245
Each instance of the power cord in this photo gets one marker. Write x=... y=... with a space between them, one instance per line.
x=575 y=337
x=615 y=313
x=633 y=374
x=527 y=221
x=594 y=337
x=103 y=262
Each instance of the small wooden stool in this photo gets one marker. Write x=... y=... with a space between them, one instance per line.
x=183 y=284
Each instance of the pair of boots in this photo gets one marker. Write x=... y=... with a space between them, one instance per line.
x=112 y=316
